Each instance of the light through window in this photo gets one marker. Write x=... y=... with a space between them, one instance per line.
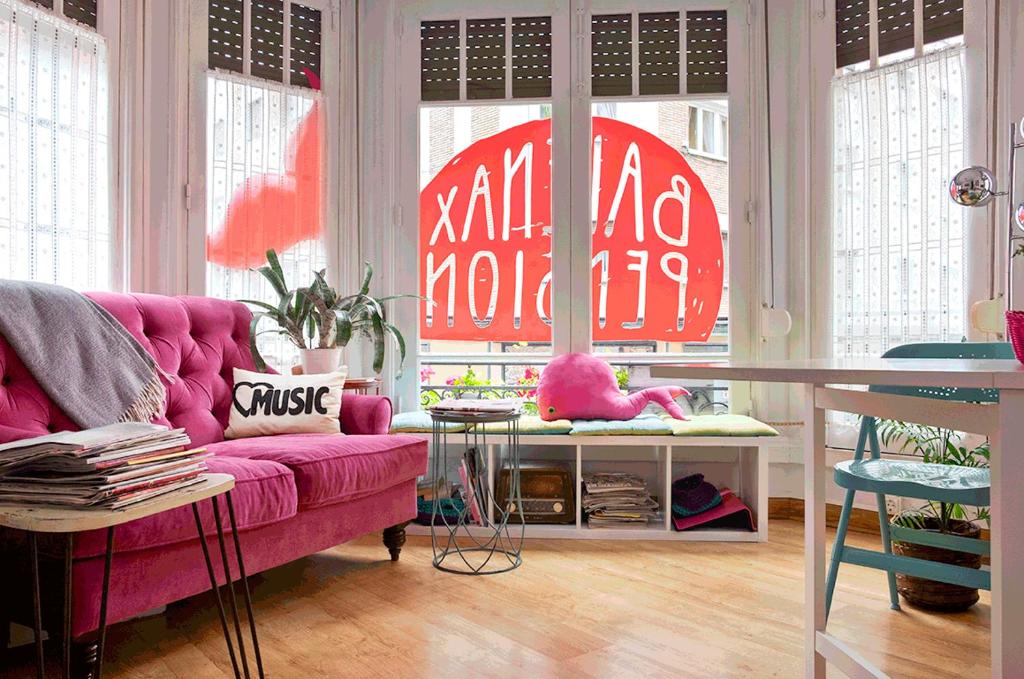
x=55 y=219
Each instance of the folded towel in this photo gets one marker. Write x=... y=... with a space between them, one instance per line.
x=80 y=355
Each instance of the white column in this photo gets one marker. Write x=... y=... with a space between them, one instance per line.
x=1007 y=469
x=814 y=532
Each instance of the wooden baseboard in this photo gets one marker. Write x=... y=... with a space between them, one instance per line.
x=861 y=520
x=792 y=508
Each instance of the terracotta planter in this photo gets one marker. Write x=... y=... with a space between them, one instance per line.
x=316 y=361
x=932 y=595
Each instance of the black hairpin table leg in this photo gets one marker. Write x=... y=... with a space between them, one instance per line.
x=37 y=606
x=215 y=588
x=231 y=586
x=69 y=545
x=245 y=585
x=103 y=601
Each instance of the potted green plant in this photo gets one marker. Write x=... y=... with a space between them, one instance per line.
x=938 y=446
x=321 y=322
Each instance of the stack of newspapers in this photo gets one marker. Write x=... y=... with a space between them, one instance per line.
x=110 y=467
x=478 y=405
x=617 y=500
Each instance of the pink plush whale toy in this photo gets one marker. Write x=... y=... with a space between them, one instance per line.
x=583 y=387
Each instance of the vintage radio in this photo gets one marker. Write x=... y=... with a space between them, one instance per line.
x=547 y=490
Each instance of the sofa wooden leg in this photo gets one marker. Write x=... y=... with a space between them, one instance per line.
x=394 y=538
x=84 y=658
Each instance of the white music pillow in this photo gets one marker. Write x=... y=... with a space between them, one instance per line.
x=263 y=405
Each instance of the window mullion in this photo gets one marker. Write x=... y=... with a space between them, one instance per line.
x=579 y=197
x=566 y=78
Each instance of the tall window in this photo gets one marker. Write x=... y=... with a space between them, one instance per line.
x=264 y=138
x=898 y=131
x=658 y=87
x=55 y=218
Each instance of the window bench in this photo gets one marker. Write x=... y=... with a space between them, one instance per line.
x=734 y=459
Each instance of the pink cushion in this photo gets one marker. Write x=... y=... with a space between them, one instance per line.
x=329 y=468
x=264 y=493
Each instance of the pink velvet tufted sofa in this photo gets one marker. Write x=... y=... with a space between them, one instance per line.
x=295 y=494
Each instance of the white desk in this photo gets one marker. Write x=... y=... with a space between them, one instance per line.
x=1003 y=423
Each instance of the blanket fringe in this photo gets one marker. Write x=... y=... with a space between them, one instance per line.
x=148 y=405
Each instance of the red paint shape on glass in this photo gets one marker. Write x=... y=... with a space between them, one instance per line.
x=274 y=210
x=485 y=273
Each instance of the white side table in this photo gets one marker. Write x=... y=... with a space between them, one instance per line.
x=35 y=519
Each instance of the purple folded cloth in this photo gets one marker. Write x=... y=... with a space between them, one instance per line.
x=692 y=495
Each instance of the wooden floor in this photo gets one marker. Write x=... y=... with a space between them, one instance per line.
x=574 y=609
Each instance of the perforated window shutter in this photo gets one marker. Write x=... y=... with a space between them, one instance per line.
x=485 y=59
x=266 y=19
x=439 y=60
x=852 y=32
x=895 y=26
x=943 y=19
x=305 y=43
x=611 y=55
x=531 y=57
x=225 y=35
x=659 y=53
x=82 y=11
x=707 y=67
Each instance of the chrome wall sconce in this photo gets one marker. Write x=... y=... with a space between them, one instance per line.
x=976 y=186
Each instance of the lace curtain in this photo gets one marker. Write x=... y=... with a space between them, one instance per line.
x=898 y=242
x=55 y=219
x=262 y=191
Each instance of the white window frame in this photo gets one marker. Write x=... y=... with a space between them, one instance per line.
x=571 y=115
x=981 y=260
x=721 y=141
x=340 y=202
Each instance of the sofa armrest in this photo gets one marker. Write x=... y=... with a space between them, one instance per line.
x=365 y=414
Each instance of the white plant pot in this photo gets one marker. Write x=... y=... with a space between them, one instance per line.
x=316 y=361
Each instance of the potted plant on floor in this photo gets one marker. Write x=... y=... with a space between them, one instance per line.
x=938 y=446
x=321 y=322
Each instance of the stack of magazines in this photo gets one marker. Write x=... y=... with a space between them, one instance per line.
x=109 y=467
x=477 y=405
x=617 y=500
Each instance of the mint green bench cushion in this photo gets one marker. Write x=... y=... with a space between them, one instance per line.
x=418 y=422
x=530 y=424
x=641 y=425
x=719 y=425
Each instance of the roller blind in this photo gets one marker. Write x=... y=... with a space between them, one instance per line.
x=439 y=60
x=305 y=42
x=707 y=67
x=895 y=26
x=941 y=20
x=658 y=35
x=267 y=36
x=82 y=11
x=611 y=55
x=485 y=59
x=531 y=57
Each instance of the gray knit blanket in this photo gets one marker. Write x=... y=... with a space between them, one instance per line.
x=80 y=355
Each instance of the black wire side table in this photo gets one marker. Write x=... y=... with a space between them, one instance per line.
x=495 y=544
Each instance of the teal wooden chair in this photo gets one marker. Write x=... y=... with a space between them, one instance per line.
x=935 y=482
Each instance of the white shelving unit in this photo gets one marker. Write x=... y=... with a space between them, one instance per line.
x=746 y=456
